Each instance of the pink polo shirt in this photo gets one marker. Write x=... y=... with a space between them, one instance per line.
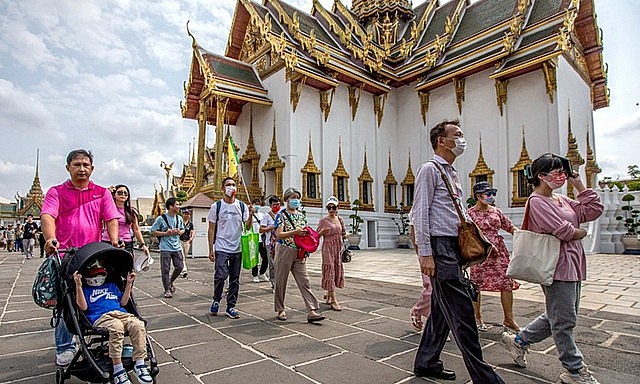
x=560 y=220
x=79 y=214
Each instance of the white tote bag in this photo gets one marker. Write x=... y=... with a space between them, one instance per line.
x=535 y=256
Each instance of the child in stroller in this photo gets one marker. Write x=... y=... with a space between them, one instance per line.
x=103 y=304
x=102 y=264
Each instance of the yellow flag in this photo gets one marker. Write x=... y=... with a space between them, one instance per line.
x=233 y=158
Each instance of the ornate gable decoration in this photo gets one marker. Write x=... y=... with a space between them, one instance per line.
x=252 y=157
x=365 y=186
x=274 y=163
x=481 y=172
x=390 y=183
x=407 y=188
x=341 y=189
x=521 y=188
x=311 y=181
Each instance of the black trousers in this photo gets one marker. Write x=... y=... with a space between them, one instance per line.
x=264 y=263
x=452 y=309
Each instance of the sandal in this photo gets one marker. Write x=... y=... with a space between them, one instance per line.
x=282 y=315
x=509 y=329
x=416 y=321
x=326 y=298
x=335 y=306
x=482 y=327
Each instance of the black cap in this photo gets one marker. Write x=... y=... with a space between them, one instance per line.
x=482 y=187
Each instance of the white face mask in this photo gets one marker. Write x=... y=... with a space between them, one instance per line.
x=95 y=281
x=230 y=190
x=461 y=145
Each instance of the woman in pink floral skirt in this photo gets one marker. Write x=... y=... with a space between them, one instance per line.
x=491 y=275
x=331 y=228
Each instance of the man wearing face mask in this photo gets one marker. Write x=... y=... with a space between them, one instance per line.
x=552 y=213
x=435 y=222
x=226 y=220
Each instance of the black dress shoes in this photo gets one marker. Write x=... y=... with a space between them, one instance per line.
x=445 y=374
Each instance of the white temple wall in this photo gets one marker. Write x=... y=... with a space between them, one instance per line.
x=573 y=94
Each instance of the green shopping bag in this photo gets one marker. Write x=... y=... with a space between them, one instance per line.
x=250 y=242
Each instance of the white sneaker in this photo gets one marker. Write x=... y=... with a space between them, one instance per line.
x=183 y=274
x=517 y=352
x=63 y=359
x=256 y=279
x=142 y=373
x=584 y=376
x=263 y=277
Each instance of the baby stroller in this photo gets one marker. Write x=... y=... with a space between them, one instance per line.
x=92 y=362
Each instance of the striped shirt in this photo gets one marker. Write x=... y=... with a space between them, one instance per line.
x=433 y=212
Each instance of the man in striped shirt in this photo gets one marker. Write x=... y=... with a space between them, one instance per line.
x=435 y=221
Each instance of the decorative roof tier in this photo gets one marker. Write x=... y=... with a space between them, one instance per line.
x=380 y=44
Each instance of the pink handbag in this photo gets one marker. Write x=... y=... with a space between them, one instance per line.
x=309 y=243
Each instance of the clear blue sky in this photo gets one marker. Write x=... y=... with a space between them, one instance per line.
x=108 y=76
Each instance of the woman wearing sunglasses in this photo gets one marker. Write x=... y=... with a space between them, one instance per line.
x=128 y=221
x=491 y=275
x=332 y=230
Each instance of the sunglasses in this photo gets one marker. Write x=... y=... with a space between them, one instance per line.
x=122 y=193
x=332 y=208
x=490 y=193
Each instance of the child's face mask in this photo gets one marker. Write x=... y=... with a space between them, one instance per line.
x=95 y=281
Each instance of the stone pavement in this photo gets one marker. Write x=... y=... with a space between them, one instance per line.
x=370 y=341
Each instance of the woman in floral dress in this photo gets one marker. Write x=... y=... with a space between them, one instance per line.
x=491 y=275
x=331 y=228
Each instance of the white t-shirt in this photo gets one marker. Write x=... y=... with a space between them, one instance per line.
x=256 y=223
x=266 y=221
x=229 y=227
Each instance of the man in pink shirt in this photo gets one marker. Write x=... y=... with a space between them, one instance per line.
x=72 y=216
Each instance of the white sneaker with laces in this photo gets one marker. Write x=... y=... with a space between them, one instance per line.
x=121 y=377
x=517 y=352
x=142 y=373
x=263 y=278
x=256 y=279
x=63 y=359
x=584 y=376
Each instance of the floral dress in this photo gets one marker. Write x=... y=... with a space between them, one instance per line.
x=491 y=275
x=332 y=270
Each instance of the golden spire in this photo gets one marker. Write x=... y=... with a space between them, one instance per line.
x=273 y=161
x=409 y=177
x=35 y=193
x=481 y=169
x=390 y=179
x=573 y=154
x=340 y=170
x=592 y=167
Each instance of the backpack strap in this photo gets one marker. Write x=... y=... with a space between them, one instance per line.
x=164 y=217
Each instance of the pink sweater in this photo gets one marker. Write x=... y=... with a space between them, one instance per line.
x=561 y=219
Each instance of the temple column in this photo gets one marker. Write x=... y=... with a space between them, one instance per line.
x=202 y=136
x=221 y=112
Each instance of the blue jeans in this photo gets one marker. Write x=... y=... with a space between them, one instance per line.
x=562 y=299
x=63 y=338
x=227 y=265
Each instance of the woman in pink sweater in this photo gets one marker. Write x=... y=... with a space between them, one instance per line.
x=560 y=216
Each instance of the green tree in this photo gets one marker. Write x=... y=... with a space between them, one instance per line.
x=633 y=171
x=181 y=196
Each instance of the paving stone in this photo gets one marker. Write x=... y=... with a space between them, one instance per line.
x=172 y=373
x=388 y=327
x=172 y=338
x=207 y=356
x=296 y=349
x=353 y=369
x=371 y=345
x=621 y=327
x=264 y=371
x=168 y=321
x=26 y=342
x=255 y=332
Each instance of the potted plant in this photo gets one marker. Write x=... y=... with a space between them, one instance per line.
x=403 y=228
x=631 y=221
x=356 y=220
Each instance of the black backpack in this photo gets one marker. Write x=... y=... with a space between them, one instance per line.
x=46 y=289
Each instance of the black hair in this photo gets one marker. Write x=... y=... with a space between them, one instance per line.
x=79 y=153
x=273 y=199
x=256 y=200
x=170 y=202
x=439 y=131
x=128 y=212
x=227 y=178
x=543 y=164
